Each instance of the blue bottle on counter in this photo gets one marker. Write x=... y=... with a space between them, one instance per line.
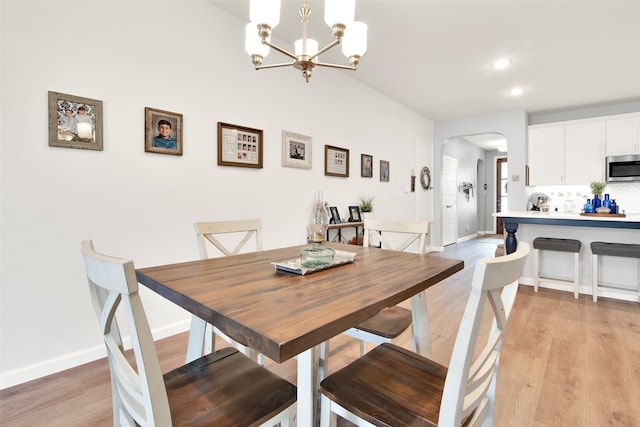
x=606 y=203
x=596 y=202
x=588 y=207
x=614 y=207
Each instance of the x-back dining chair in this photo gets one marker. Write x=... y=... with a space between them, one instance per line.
x=224 y=388
x=229 y=238
x=392 y=386
x=392 y=322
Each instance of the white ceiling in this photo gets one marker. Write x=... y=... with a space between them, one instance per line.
x=435 y=57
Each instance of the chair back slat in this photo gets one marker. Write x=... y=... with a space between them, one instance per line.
x=212 y=232
x=386 y=231
x=468 y=386
x=138 y=390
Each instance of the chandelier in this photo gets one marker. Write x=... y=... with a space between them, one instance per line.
x=338 y=15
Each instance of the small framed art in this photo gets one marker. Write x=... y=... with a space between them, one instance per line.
x=296 y=150
x=384 y=171
x=239 y=146
x=354 y=214
x=75 y=122
x=336 y=161
x=366 y=162
x=335 y=215
x=162 y=132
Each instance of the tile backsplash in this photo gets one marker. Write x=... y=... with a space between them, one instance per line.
x=562 y=197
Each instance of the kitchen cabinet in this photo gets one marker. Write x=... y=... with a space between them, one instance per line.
x=571 y=153
x=546 y=155
x=622 y=135
x=584 y=150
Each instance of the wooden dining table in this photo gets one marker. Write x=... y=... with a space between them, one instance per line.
x=284 y=315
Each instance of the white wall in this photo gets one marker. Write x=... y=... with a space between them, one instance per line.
x=185 y=57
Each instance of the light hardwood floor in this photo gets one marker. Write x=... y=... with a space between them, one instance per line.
x=565 y=362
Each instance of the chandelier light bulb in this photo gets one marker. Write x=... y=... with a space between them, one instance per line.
x=354 y=42
x=339 y=12
x=516 y=91
x=501 y=64
x=265 y=12
x=252 y=43
x=311 y=48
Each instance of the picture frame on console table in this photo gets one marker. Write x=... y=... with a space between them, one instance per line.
x=336 y=161
x=239 y=146
x=75 y=122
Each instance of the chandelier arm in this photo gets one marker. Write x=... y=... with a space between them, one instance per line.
x=284 y=64
x=342 y=67
x=279 y=49
x=326 y=48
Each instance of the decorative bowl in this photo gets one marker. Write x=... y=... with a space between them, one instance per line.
x=602 y=210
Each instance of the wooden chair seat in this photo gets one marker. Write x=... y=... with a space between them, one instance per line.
x=225 y=388
x=400 y=387
x=393 y=386
x=389 y=323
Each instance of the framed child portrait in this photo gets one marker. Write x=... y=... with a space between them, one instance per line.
x=162 y=132
x=366 y=165
x=75 y=122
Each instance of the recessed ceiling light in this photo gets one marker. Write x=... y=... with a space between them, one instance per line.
x=516 y=91
x=501 y=64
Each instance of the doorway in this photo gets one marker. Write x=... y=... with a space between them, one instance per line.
x=502 y=191
x=449 y=196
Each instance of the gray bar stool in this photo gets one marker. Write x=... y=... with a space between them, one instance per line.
x=558 y=245
x=625 y=250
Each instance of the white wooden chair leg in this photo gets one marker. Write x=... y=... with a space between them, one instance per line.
x=323 y=365
x=196 y=338
x=576 y=275
x=420 y=325
x=327 y=417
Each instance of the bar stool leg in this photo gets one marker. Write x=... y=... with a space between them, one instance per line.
x=595 y=278
x=536 y=267
x=576 y=275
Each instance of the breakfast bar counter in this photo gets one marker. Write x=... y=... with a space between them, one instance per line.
x=529 y=225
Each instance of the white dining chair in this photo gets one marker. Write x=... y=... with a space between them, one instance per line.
x=223 y=388
x=228 y=238
x=392 y=386
x=391 y=323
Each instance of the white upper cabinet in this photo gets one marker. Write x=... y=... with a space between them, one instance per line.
x=546 y=155
x=584 y=150
x=622 y=135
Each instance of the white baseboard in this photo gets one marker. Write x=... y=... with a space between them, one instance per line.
x=583 y=289
x=469 y=237
x=77 y=358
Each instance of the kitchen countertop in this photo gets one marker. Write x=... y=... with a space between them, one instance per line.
x=551 y=216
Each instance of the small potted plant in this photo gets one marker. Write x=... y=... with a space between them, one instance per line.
x=366 y=203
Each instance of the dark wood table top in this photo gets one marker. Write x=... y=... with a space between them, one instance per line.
x=282 y=314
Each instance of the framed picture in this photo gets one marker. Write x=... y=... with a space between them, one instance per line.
x=335 y=215
x=336 y=161
x=366 y=165
x=162 y=132
x=354 y=214
x=384 y=171
x=239 y=146
x=75 y=122
x=296 y=150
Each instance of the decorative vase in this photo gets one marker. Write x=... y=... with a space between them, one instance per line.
x=606 y=203
x=596 y=202
x=317 y=254
x=588 y=207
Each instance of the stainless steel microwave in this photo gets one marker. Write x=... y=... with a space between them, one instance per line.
x=623 y=168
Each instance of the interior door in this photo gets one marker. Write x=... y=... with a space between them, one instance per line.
x=502 y=191
x=449 y=195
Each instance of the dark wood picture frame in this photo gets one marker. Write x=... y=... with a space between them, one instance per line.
x=157 y=142
x=336 y=161
x=354 y=214
x=335 y=215
x=239 y=146
x=75 y=122
x=384 y=171
x=366 y=165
